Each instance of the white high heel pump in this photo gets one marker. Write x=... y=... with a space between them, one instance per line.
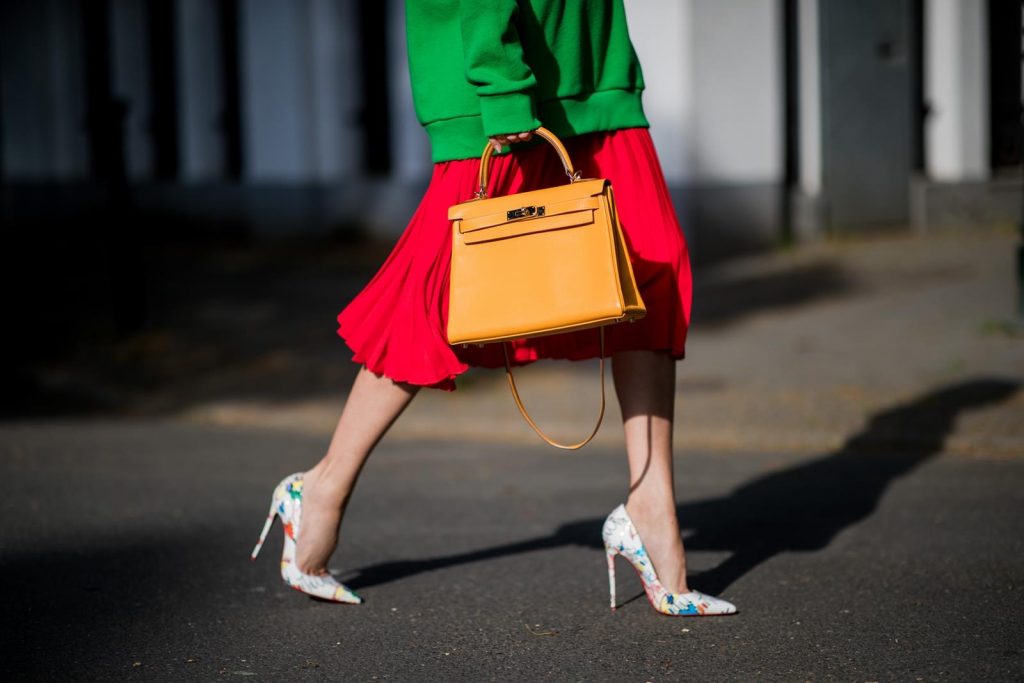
x=621 y=538
x=286 y=503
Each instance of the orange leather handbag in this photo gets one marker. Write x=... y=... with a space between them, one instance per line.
x=538 y=263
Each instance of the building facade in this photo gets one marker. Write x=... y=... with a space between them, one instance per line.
x=775 y=120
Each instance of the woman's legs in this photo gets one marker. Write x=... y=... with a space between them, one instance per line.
x=372 y=407
x=645 y=384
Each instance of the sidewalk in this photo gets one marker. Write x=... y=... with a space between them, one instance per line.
x=849 y=474
x=789 y=352
x=128 y=560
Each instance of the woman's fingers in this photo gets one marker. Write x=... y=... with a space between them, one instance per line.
x=499 y=141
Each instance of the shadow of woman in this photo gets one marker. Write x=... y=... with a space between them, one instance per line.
x=801 y=508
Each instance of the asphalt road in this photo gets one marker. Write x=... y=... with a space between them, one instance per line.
x=125 y=557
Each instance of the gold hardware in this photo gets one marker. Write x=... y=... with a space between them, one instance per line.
x=525 y=212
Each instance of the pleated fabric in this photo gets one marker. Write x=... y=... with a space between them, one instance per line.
x=396 y=325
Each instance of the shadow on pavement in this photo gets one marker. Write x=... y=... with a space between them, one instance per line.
x=255 y=322
x=798 y=509
x=69 y=611
x=720 y=302
x=803 y=508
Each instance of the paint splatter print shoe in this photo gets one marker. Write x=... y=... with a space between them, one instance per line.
x=621 y=538
x=286 y=503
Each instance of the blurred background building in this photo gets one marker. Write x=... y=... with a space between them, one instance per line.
x=775 y=119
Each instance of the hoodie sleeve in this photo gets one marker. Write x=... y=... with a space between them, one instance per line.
x=494 y=65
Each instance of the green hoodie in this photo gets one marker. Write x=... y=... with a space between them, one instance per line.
x=488 y=67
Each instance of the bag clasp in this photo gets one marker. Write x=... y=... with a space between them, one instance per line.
x=525 y=212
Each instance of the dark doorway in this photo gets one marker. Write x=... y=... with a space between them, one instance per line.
x=1006 y=54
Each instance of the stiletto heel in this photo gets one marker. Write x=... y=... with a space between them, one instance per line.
x=271 y=516
x=621 y=537
x=611 y=576
x=286 y=503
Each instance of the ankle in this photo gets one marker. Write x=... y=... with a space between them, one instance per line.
x=323 y=489
x=646 y=508
x=658 y=527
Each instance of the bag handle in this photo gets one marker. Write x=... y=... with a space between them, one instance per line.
x=529 y=420
x=563 y=155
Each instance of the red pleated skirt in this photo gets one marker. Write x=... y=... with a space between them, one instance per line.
x=396 y=325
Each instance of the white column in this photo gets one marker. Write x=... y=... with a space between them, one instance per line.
x=809 y=56
x=662 y=34
x=332 y=65
x=300 y=90
x=277 y=90
x=200 y=91
x=738 y=93
x=956 y=90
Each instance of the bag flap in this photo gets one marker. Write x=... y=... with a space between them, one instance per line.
x=505 y=229
x=530 y=213
x=500 y=206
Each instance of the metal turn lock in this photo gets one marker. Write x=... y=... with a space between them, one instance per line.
x=525 y=212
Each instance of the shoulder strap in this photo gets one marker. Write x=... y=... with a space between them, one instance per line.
x=529 y=420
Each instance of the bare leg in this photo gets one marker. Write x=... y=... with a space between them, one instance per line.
x=645 y=385
x=372 y=407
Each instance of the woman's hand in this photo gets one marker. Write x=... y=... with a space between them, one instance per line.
x=499 y=141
